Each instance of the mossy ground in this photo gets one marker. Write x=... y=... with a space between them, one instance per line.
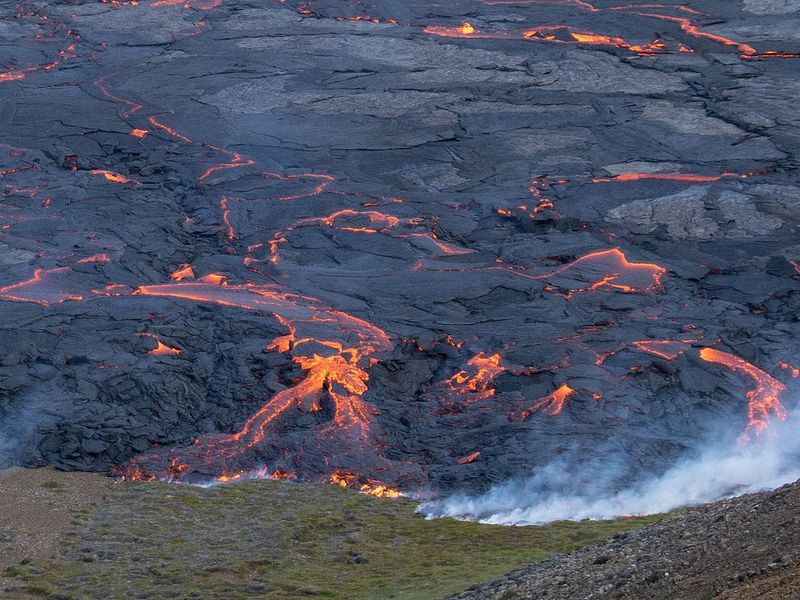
x=276 y=540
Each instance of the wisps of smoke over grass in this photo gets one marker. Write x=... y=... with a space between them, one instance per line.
x=573 y=488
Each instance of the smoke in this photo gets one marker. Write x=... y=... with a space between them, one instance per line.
x=562 y=491
x=21 y=425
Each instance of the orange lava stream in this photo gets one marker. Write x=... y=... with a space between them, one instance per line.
x=463 y=31
x=687 y=26
x=373 y=487
x=474 y=382
x=468 y=458
x=552 y=404
x=36 y=289
x=113 y=177
x=793 y=371
x=679 y=177
x=64 y=54
x=132 y=107
x=763 y=399
x=161 y=348
x=615 y=272
x=665 y=349
x=564 y=34
x=333 y=369
x=185 y=272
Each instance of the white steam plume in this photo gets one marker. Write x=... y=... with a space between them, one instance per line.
x=561 y=491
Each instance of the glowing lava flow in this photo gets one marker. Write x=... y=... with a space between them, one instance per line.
x=793 y=371
x=332 y=358
x=552 y=404
x=666 y=349
x=562 y=34
x=161 y=348
x=363 y=484
x=113 y=177
x=464 y=460
x=67 y=52
x=37 y=289
x=763 y=399
x=464 y=31
x=688 y=27
x=185 y=272
x=609 y=270
x=474 y=381
x=679 y=177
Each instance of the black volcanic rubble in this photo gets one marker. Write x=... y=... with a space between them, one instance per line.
x=736 y=549
x=462 y=192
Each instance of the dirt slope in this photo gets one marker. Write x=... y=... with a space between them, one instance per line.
x=743 y=548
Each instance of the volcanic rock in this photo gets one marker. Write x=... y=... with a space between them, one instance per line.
x=360 y=243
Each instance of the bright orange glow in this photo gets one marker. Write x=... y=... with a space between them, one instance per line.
x=468 y=458
x=162 y=349
x=563 y=34
x=665 y=349
x=215 y=278
x=100 y=259
x=680 y=177
x=793 y=371
x=38 y=289
x=139 y=133
x=184 y=272
x=474 y=381
x=67 y=52
x=465 y=30
x=347 y=479
x=614 y=272
x=552 y=404
x=165 y=128
x=763 y=399
x=112 y=176
x=333 y=368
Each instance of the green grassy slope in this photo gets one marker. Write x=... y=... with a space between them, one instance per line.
x=276 y=540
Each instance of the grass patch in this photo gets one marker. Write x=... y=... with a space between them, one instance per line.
x=285 y=541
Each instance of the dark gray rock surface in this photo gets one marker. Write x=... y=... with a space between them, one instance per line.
x=397 y=198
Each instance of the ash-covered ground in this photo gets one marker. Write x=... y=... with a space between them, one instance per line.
x=426 y=246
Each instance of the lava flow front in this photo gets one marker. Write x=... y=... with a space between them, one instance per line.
x=395 y=246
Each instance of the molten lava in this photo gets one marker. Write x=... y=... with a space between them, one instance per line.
x=763 y=399
x=552 y=404
x=608 y=270
x=112 y=176
x=665 y=349
x=334 y=372
x=465 y=30
x=679 y=177
x=163 y=349
x=474 y=382
x=468 y=458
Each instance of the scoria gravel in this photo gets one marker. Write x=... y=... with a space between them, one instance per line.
x=742 y=548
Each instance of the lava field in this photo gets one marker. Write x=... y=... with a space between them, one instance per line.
x=399 y=246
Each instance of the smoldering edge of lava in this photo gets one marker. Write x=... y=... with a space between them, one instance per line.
x=575 y=488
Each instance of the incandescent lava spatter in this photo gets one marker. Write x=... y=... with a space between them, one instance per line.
x=394 y=245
